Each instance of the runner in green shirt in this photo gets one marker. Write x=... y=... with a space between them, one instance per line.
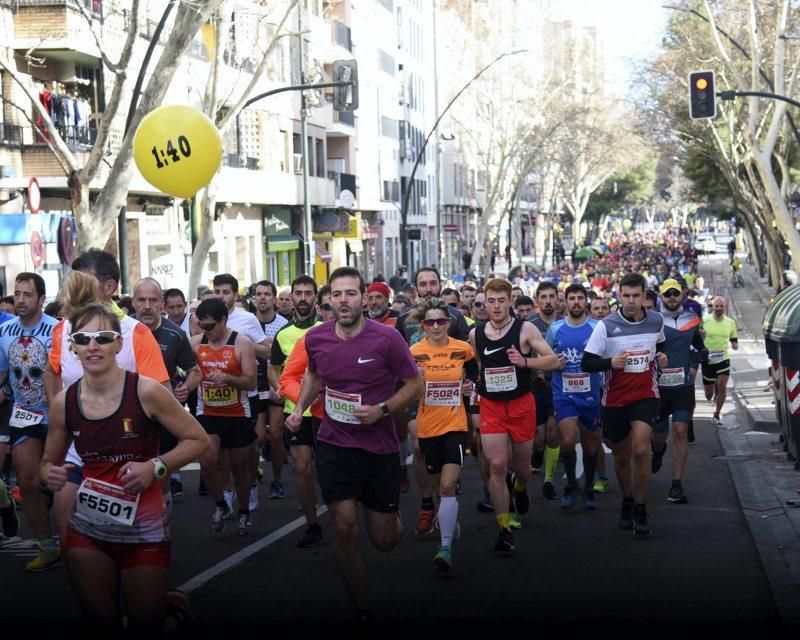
x=720 y=330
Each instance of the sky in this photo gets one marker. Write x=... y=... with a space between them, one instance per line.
x=629 y=29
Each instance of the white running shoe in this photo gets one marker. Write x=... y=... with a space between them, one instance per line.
x=253 y=502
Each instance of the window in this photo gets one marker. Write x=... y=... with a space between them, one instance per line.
x=385 y=62
x=297 y=145
x=310 y=141
x=391 y=190
x=320 y=158
x=389 y=127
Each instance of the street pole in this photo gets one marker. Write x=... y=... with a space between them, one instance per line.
x=310 y=248
x=439 y=231
x=410 y=181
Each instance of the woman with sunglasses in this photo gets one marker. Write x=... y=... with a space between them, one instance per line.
x=442 y=419
x=117 y=542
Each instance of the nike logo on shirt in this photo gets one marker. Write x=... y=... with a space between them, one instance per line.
x=488 y=352
x=360 y=361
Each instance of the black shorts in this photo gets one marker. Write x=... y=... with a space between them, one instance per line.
x=678 y=403
x=306 y=435
x=445 y=449
x=617 y=420
x=544 y=405
x=712 y=371
x=262 y=405
x=472 y=409
x=233 y=433
x=345 y=473
x=21 y=434
x=5 y=416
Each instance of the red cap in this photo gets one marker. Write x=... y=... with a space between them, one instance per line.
x=379 y=287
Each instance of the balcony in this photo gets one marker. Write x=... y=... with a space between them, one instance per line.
x=92 y=6
x=342 y=181
x=340 y=34
x=10 y=135
x=76 y=138
x=237 y=161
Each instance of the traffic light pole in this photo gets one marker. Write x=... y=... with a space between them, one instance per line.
x=730 y=95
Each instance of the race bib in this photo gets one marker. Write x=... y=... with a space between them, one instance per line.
x=21 y=418
x=217 y=396
x=501 y=378
x=715 y=357
x=341 y=406
x=443 y=394
x=671 y=378
x=105 y=503
x=263 y=395
x=637 y=361
x=576 y=383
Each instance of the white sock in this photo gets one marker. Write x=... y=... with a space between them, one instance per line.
x=228 y=497
x=405 y=451
x=448 y=517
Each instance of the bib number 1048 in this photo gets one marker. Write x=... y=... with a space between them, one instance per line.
x=184 y=149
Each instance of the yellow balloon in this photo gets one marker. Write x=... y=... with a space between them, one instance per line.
x=627 y=223
x=178 y=149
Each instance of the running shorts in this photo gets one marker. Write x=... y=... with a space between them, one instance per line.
x=516 y=417
x=21 y=434
x=587 y=413
x=346 y=473
x=617 y=420
x=233 y=432
x=712 y=371
x=125 y=556
x=306 y=435
x=678 y=403
x=447 y=448
x=544 y=405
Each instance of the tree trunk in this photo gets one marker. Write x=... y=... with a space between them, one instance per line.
x=205 y=208
x=752 y=242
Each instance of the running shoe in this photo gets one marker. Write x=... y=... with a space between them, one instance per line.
x=404 y=484
x=16 y=495
x=640 y=525
x=218 y=519
x=276 y=491
x=175 y=487
x=522 y=501
x=425 y=521
x=589 y=503
x=690 y=432
x=253 y=501
x=514 y=522
x=443 y=560
x=676 y=494
x=505 y=541
x=568 y=500
x=10 y=520
x=716 y=420
x=311 y=538
x=548 y=491
x=537 y=458
x=657 y=458
x=245 y=525
x=626 y=513
x=485 y=505
x=178 y=612
x=44 y=561
x=601 y=485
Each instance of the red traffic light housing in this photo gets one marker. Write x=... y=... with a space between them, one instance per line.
x=702 y=97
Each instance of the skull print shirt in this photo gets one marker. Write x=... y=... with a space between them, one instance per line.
x=23 y=354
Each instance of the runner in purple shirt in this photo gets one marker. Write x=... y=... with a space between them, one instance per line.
x=355 y=363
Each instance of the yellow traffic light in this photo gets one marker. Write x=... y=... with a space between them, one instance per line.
x=701 y=83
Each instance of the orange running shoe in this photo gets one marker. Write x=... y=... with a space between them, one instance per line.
x=425 y=521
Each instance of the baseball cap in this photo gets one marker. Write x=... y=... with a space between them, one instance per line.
x=669 y=284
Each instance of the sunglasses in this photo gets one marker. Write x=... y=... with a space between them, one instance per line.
x=429 y=322
x=479 y=305
x=326 y=306
x=207 y=326
x=671 y=294
x=83 y=338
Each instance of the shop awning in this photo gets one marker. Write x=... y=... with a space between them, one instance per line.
x=283 y=243
x=323 y=254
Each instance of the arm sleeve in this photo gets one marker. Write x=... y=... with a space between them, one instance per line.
x=471 y=370
x=592 y=363
x=148 y=355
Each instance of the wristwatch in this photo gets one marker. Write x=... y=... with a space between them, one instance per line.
x=384 y=409
x=159 y=468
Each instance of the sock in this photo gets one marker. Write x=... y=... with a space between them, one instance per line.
x=427 y=504
x=550 y=461
x=589 y=463
x=504 y=520
x=448 y=517
x=676 y=483
x=570 y=463
x=244 y=512
x=4 y=501
x=518 y=486
x=405 y=451
x=48 y=544
x=228 y=497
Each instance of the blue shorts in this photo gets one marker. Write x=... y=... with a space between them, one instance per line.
x=586 y=411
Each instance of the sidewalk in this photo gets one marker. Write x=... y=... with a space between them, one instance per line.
x=765 y=480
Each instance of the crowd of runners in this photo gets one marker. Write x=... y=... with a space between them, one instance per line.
x=101 y=409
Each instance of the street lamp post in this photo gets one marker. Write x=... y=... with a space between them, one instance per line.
x=410 y=181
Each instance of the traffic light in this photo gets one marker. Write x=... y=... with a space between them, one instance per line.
x=345 y=98
x=701 y=95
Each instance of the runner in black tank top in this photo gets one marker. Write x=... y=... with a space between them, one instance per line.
x=494 y=355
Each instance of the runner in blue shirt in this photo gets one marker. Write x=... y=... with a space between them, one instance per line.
x=576 y=396
x=25 y=343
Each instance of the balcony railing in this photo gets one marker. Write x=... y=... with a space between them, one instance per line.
x=76 y=138
x=345 y=117
x=93 y=6
x=10 y=135
x=341 y=35
x=343 y=181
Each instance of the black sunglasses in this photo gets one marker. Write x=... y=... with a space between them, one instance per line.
x=326 y=306
x=83 y=338
x=429 y=322
x=208 y=326
x=671 y=294
x=479 y=305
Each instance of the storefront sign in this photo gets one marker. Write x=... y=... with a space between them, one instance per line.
x=277 y=222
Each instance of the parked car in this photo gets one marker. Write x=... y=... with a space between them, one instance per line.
x=704 y=243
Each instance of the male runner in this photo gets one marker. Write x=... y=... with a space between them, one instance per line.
x=684 y=348
x=301 y=441
x=378 y=304
x=227 y=362
x=576 y=396
x=720 y=330
x=357 y=362
x=504 y=347
x=176 y=350
x=176 y=309
x=625 y=344
x=25 y=343
x=285 y=303
x=546 y=446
